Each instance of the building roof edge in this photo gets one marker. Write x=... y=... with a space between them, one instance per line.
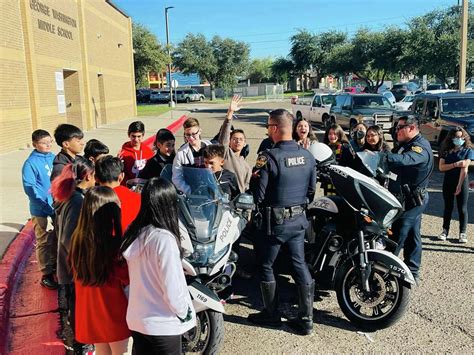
x=111 y=3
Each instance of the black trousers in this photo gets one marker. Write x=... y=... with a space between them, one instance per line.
x=461 y=201
x=156 y=344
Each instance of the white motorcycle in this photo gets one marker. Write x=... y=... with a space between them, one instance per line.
x=209 y=225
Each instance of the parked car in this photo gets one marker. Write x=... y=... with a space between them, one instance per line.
x=401 y=90
x=438 y=113
x=188 y=95
x=436 y=87
x=314 y=110
x=155 y=96
x=348 y=109
x=143 y=95
x=162 y=96
x=389 y=96
x=405 y=104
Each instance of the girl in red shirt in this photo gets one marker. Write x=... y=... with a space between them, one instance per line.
x=99 y=277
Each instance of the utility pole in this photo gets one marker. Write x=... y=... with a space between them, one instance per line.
x=463 y=50
x=171 y=103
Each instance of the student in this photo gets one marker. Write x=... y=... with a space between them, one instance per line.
x=99 y=277
x=134 y=153
x=190 y=154
x=95 y=149
x=358 y=137
x=214 y=159
x=164 y=145
x=336 y=139
x=303 y=133
x=159 y=309
x=36 y=175
x=456 y=154
x=68 y=191
x=374 y=140
x=234 y=142
x=109 y=172
x=71 y=140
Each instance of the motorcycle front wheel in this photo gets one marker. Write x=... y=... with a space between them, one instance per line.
x=380 y=308
x=208 y=335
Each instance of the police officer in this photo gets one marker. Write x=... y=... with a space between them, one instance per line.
x=413 y=164
x=284 y=178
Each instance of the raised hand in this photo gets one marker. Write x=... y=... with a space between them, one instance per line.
x=234 y=105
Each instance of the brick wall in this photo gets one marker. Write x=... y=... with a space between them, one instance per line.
x=80 y=38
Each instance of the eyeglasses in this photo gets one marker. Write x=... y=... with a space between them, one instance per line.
x=194 y=134
x=402 y=126
x=271 y=124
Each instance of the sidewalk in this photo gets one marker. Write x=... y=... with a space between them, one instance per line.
x=21 y=311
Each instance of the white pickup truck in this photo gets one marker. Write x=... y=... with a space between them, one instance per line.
x=316 y=110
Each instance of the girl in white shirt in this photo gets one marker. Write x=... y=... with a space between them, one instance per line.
x=159 y=307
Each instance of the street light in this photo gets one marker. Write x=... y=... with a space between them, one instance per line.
x=171 y=103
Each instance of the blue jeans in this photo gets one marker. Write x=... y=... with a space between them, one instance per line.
x=407 y=231
x=269 y=248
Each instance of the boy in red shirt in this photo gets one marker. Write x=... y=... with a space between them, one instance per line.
x=109 y=172
x=134 y=154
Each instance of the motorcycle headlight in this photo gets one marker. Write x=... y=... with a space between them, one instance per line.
x=203 y=254
x=389 y=217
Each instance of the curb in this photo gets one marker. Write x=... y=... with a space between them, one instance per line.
x=173 y=127
x=12 y=264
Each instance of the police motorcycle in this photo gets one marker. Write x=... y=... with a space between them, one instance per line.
x=209 y=225
x=348 y=248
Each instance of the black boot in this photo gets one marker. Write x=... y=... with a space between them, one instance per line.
x=303 y=324
x=270 y=315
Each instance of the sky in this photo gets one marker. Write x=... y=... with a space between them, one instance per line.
x=267 y=25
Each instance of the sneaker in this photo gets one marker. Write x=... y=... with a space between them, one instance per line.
x=443 y=235
x=462 y=238
x=48 y=281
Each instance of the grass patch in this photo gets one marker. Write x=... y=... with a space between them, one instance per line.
x=152 y=110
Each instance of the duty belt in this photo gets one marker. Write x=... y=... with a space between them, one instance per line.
x=293 y=211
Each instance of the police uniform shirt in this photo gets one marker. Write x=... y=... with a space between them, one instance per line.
x=284 y=176
x=413 y=164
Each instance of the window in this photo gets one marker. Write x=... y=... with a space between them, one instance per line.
x=371 y=101
x=419 y=104
x=340 y=100
x=317 y=101
x=431 y=108
x=329 y=100
x=459 y=104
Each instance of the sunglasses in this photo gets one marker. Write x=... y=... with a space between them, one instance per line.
x=402 y=126
x=189 y=135
x=270 y=125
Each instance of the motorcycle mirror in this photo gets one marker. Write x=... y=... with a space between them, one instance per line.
x=244 y=201
x=320 y=151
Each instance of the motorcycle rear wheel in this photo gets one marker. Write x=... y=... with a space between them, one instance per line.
x=208 y=335
x=379 y=309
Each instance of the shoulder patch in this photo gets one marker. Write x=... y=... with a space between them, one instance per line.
x=417 y=149
x=261 y=161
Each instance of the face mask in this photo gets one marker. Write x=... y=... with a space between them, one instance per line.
x=458 y=141
x=359 y=134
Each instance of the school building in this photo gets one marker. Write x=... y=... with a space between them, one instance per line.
x=63 y=61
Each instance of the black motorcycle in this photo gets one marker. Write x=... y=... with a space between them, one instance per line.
x=348 y=249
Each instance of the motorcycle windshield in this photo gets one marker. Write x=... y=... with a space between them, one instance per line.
x=370 y=160
x=202 y=202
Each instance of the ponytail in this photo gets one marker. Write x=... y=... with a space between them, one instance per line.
x=65 y=183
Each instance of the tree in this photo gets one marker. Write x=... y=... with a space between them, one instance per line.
x=219 y=61
x=149 y=55
x=433 y=43
x=312 y=52
x=282 y=69
x=370 y=55
x=260 y=70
